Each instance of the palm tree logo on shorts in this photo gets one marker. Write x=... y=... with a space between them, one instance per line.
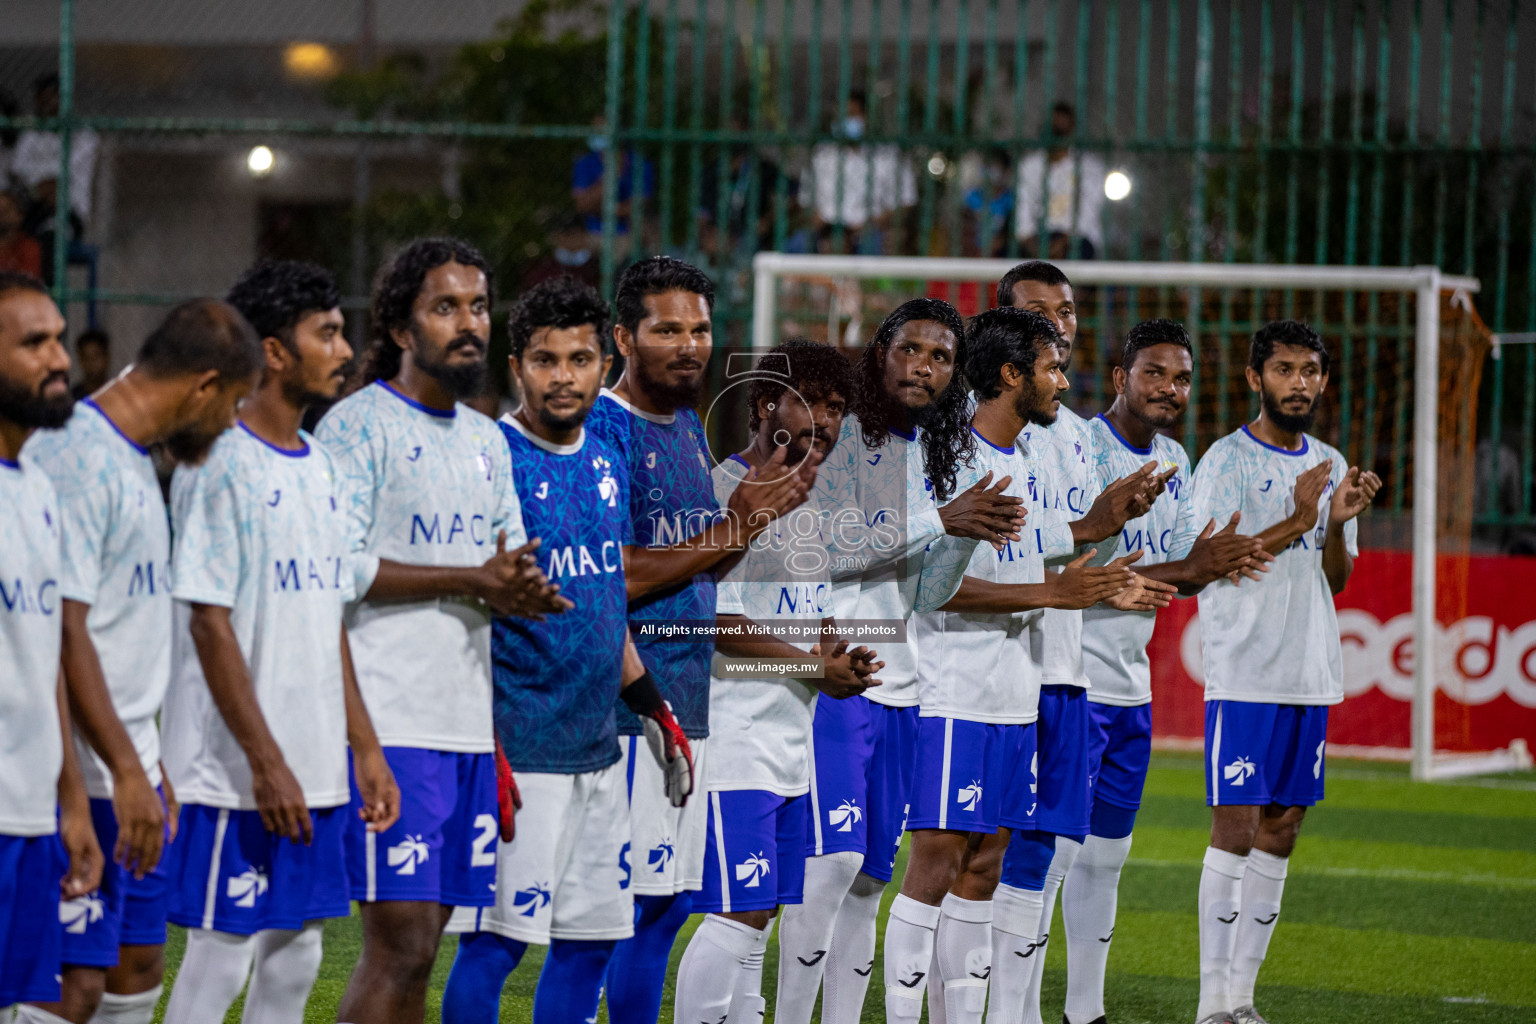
x=407 y=853
x=528 y=901
x=845 y=815
x=660 y=856
x=752 y=870
x=970 y=796
x=1239 y=771
x=245 y=887
x=81 y=912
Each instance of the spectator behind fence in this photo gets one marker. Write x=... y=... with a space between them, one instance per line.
x=856 y=186
x=93 y=352
x=35 y=165
x=572 y=250
x=587 y=182
x=1071 y=183
x=748 y=217
x=18 y=249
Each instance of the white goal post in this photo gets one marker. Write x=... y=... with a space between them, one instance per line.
x=1425 y=282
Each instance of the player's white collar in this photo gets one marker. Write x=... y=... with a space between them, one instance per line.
x=539 y=442
x=664 y=420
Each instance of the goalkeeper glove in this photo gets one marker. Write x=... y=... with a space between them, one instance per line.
x=508 y=800
x=668 y=744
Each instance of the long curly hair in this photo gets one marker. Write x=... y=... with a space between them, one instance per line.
x=946 y=423
x=395 y=291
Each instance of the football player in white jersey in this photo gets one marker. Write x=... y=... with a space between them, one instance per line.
x=1152 y=391
x=263 y=702
x=979 y=682
x=896 y=459
x=182 y=390
x=45 y=814
x=1038 y=860
x=760 y=725
x=438 y=547
x=1271 y=654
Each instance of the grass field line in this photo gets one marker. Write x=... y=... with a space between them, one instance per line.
x=1397 y=874
x=1479 y=782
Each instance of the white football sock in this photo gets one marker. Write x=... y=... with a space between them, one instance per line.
x=287 y=963
x=936 y=1014
x=1015 y=923
x=1088 y=913
x=1061 y=862
x=1263 y=884
x=908 y=957
x=711 y=966
x=214 y=967
x=851 y=958
x=805 y=934
x=1221 y=886
x=747 y=1003
x=963 y=947
x=26 y=1013
x=138 y=1008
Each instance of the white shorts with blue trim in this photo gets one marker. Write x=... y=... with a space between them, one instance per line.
x=666 y=843
x=566 y=873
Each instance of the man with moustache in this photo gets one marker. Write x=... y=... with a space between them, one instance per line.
x=263 y=705
x=1271 y=652
x=1152 y=392
x=760 y=725
x=979 y=677
x=438 y=547
x=182 y=391
x=561 y=881
x=679 y=544
x=896 y=460
x=46 y=840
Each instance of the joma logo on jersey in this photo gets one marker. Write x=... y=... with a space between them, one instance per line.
x=969 y=797
x=527 y=902
x=458 y=529
x=845 y=815
x=406 y=854
x=25 y=599
x=576 y=560
x=78 y=914
x=246 y=887
x=322 y=574
x=752 y=870
x=1239 y=771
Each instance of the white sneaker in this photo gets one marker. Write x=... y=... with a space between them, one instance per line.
x=1217 y=1018
x=1247 y=1015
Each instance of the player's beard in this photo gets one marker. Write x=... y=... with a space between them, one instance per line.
x=190 y=445
x=800 y=445
x=563 y=423
x=679 y=395
x=461 y=380
x=1028 y=405
x=32 y=409
x=1158 y=414
x=1290 y=422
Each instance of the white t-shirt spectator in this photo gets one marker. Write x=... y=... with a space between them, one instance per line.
x=1073 y=190
x=37 y=160
x=850 y=185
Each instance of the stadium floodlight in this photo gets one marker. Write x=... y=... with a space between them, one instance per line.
x=1422 y=285
x=259 y=161
x=1117 y=185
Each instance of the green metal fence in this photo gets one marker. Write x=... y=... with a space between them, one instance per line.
x=1316 y=131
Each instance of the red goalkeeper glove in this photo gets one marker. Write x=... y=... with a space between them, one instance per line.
x=508 y=800
x=668 y=744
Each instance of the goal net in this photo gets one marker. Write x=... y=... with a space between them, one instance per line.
x=1407 y=350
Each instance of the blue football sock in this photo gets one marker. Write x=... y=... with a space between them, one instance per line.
x=571 y=982
x=473 y=994
x=638 y=968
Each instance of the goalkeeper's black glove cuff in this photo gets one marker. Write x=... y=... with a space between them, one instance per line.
x=643 y=697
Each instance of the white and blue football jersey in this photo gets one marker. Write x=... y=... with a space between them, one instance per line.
x=1066 y=487
x=1114 y=641
x=760 y=728
x=977 y=666
x=671 y=498
x=259 y=530
x=557 y=681
x=1275 y=639
x=422 y=487
x=117 y=544
x=31 y=630
x=882 y=521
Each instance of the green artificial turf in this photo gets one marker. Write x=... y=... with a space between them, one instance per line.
x=1405 y=902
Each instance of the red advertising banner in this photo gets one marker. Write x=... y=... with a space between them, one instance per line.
x=1486 y=655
